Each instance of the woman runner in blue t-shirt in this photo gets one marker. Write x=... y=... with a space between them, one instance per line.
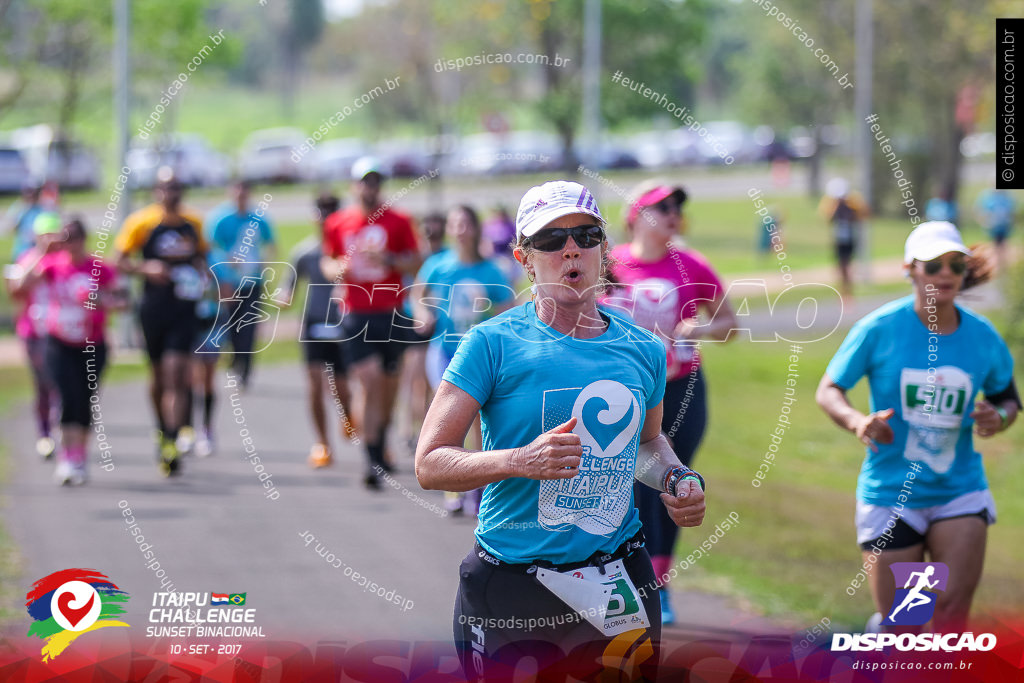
x=922 y=490
x=570 y=398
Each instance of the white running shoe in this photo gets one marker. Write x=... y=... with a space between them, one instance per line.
x=186 y=440
x=63 y=473
x=78 y=474
x=45 y=447
x=874 y=624
x=204 y=445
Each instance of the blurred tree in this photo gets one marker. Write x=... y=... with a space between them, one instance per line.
x=931 y=58
x=20 y=51
x=654 y=41
x=936 y=54
x=72 y=35
x=299 y=34
x=781 y=82
x=70 y=40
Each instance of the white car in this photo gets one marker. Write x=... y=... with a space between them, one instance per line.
x=333 y=159
x=194 y=161
x=275 y=155
x=50 y=157
x=13 y=170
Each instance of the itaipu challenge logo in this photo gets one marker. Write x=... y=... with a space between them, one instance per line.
x=69 y=603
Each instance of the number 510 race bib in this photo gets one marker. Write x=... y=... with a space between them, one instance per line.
x=609 y=601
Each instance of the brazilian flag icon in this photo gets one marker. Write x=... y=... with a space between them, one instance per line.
x=237 y=598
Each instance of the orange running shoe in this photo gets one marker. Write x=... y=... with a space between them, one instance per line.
x=319 y=456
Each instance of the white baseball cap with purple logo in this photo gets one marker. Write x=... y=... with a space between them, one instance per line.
x=545 y=203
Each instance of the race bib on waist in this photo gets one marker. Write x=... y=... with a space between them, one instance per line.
x=609 y=602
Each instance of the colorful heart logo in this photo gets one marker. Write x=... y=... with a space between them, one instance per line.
x=70 y=613
x=75 y=605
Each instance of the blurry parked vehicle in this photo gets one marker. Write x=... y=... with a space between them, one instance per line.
x=609 y=154
x=333 y=159
x=49 y=157
x=406 y=158
x=13 y=170
x=727 y=138
x=664 y=148
x=523 y=151
x=275 y=155
x=195 y=162
x=770 y=146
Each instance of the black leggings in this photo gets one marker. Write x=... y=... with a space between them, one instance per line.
x=76 y=371
x=684 y=421
x=505 y=615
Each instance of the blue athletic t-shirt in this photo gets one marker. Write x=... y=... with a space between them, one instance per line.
x=528 y=379
x=461 y=295
x=241 y=237
x=931 y=381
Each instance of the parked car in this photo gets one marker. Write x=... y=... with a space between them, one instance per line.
x=769 y=146
x=50 y=157
x=727 y=138
x=664 y=148
x=195 y=162
x=275 y=155
x=406 y=158
x=13 y=170
x=333 y=159
x=612 y=153
x=523 y=151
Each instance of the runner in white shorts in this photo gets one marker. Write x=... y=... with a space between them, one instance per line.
x=922 y=489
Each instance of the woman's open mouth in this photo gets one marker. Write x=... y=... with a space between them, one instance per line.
x=572 y=276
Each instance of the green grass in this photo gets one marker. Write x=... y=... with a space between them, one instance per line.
x=794 y=551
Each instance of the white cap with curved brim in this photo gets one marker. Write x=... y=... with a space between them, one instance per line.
x=544 y=203
x=364 y=166
x=931 y=240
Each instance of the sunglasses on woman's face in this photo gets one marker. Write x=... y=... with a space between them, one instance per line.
x=553 y=239
x=667 y=207
x=958 y=266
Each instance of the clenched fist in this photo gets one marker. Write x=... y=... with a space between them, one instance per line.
x=555 y=454
x=687 y=507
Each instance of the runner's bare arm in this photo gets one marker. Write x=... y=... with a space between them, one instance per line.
x=723 y=321
x=654 y=457
x=406 y=262
x=868 y=428
x=334 y=269
x=658 y=467
x=442 y=463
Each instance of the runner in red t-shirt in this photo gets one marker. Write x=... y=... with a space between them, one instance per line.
x=367 y=249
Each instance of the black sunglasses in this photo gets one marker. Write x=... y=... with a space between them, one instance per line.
x=958 y=266
x=667 y=206
x=553 y=239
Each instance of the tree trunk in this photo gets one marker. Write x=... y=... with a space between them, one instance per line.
x=814 y=166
